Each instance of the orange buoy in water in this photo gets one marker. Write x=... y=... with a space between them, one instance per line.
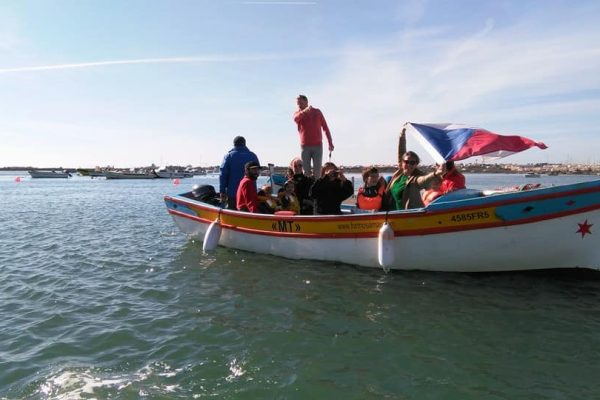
x=176 y=181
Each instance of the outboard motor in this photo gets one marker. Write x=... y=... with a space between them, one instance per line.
x=206 y=194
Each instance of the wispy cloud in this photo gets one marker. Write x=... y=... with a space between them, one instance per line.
x=502 y=69
x=166 y=60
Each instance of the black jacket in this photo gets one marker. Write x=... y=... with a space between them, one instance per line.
x=329 y=194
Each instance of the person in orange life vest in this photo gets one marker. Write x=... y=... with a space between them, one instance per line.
x=433 y=192
x=303 y=184
x=247 y=198
x=310 y=123
x=452 y=179
x=288 y=199
x=370 y=195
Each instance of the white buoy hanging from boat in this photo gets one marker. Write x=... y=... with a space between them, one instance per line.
x=212 y=235
x=385 y=246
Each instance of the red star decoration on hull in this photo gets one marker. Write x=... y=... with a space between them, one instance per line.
x=584 y=228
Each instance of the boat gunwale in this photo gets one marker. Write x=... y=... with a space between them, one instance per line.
x=524 y=198
x=442 y=207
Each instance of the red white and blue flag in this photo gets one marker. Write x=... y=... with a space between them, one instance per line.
x=454 y=142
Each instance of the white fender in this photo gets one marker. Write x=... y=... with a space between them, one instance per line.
x=212 y=236
x=385 y=246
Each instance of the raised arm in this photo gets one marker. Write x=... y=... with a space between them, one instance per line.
x=401 y=145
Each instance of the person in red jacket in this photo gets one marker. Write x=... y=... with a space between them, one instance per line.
x=310 y=123
x=246 y=197
x=452 y=179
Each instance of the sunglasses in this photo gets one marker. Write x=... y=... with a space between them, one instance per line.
x=409 y=162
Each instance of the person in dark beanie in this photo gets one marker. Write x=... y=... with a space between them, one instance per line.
x=232 y=170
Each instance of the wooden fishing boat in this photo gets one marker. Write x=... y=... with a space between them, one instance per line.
x=38 y=173
x=466 y=230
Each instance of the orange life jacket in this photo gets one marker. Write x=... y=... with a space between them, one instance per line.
x=370 y=203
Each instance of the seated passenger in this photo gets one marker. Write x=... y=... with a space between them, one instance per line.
x=452 y=179
x=263 y=203
x=266 y=199
x=432 y=193
x=246 y=197
x=370 y=195
x=330 y=190
x=404 y=190
x=288 y=199
x=303 y=184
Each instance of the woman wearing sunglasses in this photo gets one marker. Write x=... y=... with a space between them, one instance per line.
x=404 y=189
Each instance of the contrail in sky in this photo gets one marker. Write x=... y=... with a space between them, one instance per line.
x=172 y=60
x=282 y=3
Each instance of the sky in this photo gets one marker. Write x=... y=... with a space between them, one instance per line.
x=128 y=83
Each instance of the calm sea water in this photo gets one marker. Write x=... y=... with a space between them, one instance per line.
x=102 y=297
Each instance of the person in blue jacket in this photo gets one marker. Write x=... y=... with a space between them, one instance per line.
x=232 y=170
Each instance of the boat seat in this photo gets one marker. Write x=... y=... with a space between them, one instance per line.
x=285 y=212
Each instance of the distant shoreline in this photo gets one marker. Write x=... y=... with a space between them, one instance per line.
x=542 y=169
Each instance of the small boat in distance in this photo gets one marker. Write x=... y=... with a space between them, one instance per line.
x=38 y=173
x=532 y=175
x=130 y=175
x=91 y=172
x=172 y=173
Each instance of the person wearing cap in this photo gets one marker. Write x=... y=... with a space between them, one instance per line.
x=232 y=170
x=247 y=197
x=311 y=123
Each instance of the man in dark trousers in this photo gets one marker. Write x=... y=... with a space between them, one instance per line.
x=232 y=170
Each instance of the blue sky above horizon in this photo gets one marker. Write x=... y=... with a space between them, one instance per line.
x=128 y=83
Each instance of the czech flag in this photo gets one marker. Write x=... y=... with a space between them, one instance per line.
x=454 y=142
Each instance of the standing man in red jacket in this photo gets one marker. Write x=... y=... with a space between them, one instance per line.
x=310 y=121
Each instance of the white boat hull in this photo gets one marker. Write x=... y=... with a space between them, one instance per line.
x=49 y=174
x=497 y=249
x=538 y=229
x=128 y=175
